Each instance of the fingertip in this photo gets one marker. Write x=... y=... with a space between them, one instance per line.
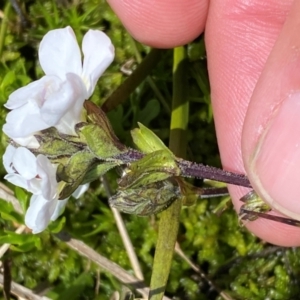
x=270 y=138
x=270 y=231
x=162 y=24
x=275 y=233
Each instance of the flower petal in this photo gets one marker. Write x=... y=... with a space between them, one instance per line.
x=60 y=206
x=65 y=105
x=24 y=121
x=81 y=190
x=47 y=173
x=28 y=141
x=34 y=186
x=24 y=94
x=8 y=158
x=39 y=213
x=98 y=55
x=17 y=180
x=24 y=163
x=59 y=53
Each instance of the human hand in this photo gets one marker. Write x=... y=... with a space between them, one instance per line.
x=253 y=52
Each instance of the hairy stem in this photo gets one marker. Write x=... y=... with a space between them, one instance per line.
x=192 y=169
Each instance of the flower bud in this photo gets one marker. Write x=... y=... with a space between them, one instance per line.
x=153 y=167
x=147 y=200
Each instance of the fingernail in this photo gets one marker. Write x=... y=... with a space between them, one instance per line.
x=276 y=160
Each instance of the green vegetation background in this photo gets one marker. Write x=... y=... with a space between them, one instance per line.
x=210 y=234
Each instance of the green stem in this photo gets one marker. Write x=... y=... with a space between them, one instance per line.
x=169 y=221
x=4 y=27
x=151 y=82
x=134 y=80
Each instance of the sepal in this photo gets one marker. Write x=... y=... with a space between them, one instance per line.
x=54 y=144
x=72 y=174
x=153 y=167
x=147 y=200
x=147 y=141
x=98 y=170
x=98 y=134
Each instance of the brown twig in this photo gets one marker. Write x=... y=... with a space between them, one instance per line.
x=22 y=292
x=111 y=267
x=124 y=235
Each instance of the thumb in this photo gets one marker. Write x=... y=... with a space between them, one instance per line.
x=271 y=133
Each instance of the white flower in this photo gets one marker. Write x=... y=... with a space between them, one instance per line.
x=57 y=98
x=41 y=211
x=37 y=175
x=81 y=190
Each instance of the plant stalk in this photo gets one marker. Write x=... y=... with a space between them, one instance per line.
x=3 y=28
x=192 y=169
x=134 y=80
x=169 y=221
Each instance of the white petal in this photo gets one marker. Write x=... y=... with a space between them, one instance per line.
x=8 y=158
x=17 y=180
x=28 y=141
x=60 y=206
x=24 y=162
x=24 y=121
x=39 y=213
x=98 y=55
x=59 y=53
x=47 y=173
x=44 y=108
x=81 y=190
x=22 y=95
x=35 y=186
x=68 y=100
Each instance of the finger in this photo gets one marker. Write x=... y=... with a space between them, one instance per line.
x=239 y=38
x=272 y=153
x=162 y=23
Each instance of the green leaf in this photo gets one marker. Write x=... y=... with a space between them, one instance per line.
x=149 y=112
x=8 y=79
x=7 y=212
x=19 y=239
x=77 y=287
x=153 y=167
x=6 y=207
x=23 y=197
x=147 y=141
x=27 y=246
x=12 y=216
x=58 y=225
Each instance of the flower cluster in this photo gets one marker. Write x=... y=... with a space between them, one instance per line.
x=55 y=100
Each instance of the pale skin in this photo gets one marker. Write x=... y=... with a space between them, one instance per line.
x=253 y=52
